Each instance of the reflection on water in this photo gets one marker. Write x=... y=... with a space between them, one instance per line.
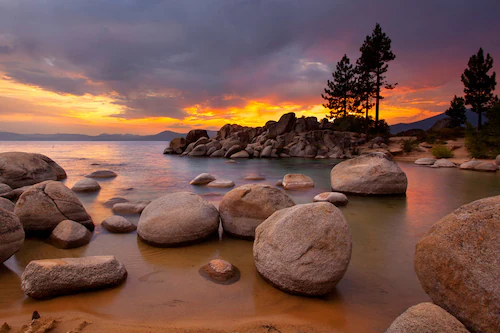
x=164 y=284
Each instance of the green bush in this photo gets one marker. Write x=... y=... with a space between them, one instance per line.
x=485 y=143
x=431 y=138
x=409 y=145
x=440 y=151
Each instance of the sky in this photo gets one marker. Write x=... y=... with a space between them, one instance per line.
x=142 y=67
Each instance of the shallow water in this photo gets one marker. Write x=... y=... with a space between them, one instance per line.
x=164 y=284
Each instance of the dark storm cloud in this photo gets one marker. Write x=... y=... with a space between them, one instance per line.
x=203 y=50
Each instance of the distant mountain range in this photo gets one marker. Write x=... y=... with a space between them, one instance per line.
x=427 y=123
x=163 y=136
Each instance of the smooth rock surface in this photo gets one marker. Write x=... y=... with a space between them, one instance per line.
x=470 y=165
x=49 y=278
x=6 y=204
x=245 y=207
x=304 y=249
x=369 y=174
x=18 y=169
x=86 y=185
x=102 y=174
x=202 y=179
x=118 y=225
x=241 y=154
x=177 y=219
x=254 y=177
x=41 y=207
x=4 y=189
x=70 y=234
x=113 y=201
x=425 y=161
x=336 y=198
x=221 y=183
x=497 y=160
x=220 y=271
x=486 y=166
x=457 y=263
x=130 y=208
x=426 y=318
x=294 y=181
x=11 y=234
x=444 y=163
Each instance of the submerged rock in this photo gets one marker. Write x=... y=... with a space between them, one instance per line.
x=336 y=198
x=304 y=249
x=426 y=318
x=69 y=234
x=425 y=161
x=247 y=206
x=202 y=179
x=19 y=169
x=102 y=174
x=86 y=185
x=111 y=202
x=221 y=183
x=177 y=219
x=55 y=277
x=130 y=208
x=295 y=181
x=443 y=163
x=457 y=264
x=254 y=177
x=11 y=234
x=118 y=225
x=43 y=206
x=220 y=271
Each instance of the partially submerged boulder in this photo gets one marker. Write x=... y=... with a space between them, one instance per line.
x=443 y=163
x=69 y=235
x=425 y=161
x=86 y=185
x=457 y=263
x=118 y=225
x=102 y=174
x=220 y=271
x=304 y=249
x=295 y=181
x=202 y=179
x=49 y=278
x=486 y=166
x=11 y=234
x=336 y=198
x=221 y=183
x=130 y=207
x=18 y=169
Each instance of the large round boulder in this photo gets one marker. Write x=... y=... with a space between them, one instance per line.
x=426 y=318
x=457 y=263
x=69 y=235
x=304 y=249
x=19 y=169
x=245 y=207
x=369 y=174
x=177 y=219
x=41 y=207
x=11 y=234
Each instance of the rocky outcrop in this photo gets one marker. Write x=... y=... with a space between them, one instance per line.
x=195 y=135
x=11 y=234
x=220 y=271
x=369 y=174
x=457 y=264
x=19 y=169
x=69 y=234
x=177 y=219
x=426 y=318
x=304 y=249
x=296 y=181
x=49 y=278
x=245 y=207
x=86 y=185
x=336 y=198
x=118 y=225
x=43 y=206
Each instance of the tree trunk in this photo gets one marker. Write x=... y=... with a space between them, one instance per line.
x=479 y=114
x=377 y=100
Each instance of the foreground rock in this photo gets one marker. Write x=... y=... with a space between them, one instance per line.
x=86 y=185
x=247 y=206
x=55 y=277
x=113 y=201
x=426 y=318
x=220 y=271
x=336 y=198
x=443 y=163
x=202 y=179
x=11 y=234
x=102 y=174
x=130 y=208
x=425 y=161
x=19 y=169
x=295 y=181
x=457 y=263
x=177 y=219
x=16 y=193
x=369 y=174
x=43 y=206
x=6 y=204
x=69 y=234
x=304 y=249
x=221 y=183
x=118 y=225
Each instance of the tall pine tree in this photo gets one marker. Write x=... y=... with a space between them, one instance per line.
x=365 y=88
x=456 y=112
x=375 y=54
x=478 y=85
x=340 y=92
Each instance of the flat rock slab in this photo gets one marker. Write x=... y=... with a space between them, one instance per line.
x=70 y=234
x=118 y=225
x=86 y=185
x=130 y=208
x=221 y=183
x=11 y=234
x=202 y=179
x=296 y=181
x=336 y=198
x=102 y=174
x=220 y=271
x=49 y=278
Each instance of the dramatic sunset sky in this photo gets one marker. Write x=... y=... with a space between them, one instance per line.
x=146 y=66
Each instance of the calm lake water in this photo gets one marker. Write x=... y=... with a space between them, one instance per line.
x=164 y=284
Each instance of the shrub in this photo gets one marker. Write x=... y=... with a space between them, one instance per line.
x=440 y=151
x=409 y=145
x=431 y=138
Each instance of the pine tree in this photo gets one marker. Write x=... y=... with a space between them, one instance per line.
x=457 y=112
x=365 y=87
x=478 y=85
x=340 y=91
x=375 y=54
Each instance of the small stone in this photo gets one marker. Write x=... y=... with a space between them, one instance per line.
x=279 y=183
x=220 y=271
x=5 y=328
x=294 y=181
x=70 y=234
x=425 y=161
x=35 y=315
x=86 y=185
x=130 y=208
x=336 y=198
x=118 y=225
x=102 y=174
x=202 y=179
x=221 y=183
x=230 y=161
x=111 y=202
x=254 y=177
x=241 y=154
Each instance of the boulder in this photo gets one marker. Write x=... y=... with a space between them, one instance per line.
x=369 y=174
x=178 y=143
x=266 y=152
x=245 y=207
x=218 y=153
x=233 y=150
x=286 y=123
x=4 y=189
x=200 y=150
x=336 y=198
x=425 y=161
x=486 y=166
x=130 y=208
x=111 y=202
x=118 y=225
x=497 y=160
x=293 y=181
x=470 y=165
x=443 y=163
x=168 y=150
x=202 y=179
x=304 y=249
x=241 y=154
x=426 y=318
x=457 y=263
x=194 y=135
x=86 y=185
x=44 y=205
x=11 y=234
x=7 y=205
x=221 y=183
x=102 y=174
x=220 y=271
x=201 y=141
x=49 y=278
x=69 y=234
x=16 y=193
x=19 y=169
x=177 y=219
